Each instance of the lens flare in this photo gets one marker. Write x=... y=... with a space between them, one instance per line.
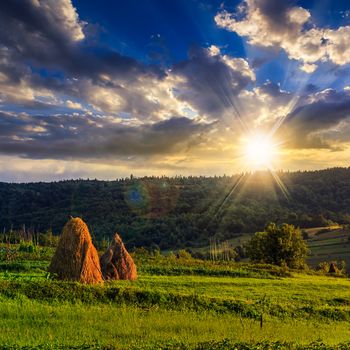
x=149 y=198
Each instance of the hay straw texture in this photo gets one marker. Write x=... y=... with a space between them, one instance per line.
x=116 y=262
x=76 y=258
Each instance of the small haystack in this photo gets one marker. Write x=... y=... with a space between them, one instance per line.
x=76 y=258
x=333 y=267
x=116 y=262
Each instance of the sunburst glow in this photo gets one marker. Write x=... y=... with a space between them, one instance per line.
x=259 y=152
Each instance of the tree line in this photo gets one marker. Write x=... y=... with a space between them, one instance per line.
x=176 y=212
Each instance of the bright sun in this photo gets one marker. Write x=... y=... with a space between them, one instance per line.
x=259 y=152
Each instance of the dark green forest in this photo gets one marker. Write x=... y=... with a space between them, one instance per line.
x=177 y=212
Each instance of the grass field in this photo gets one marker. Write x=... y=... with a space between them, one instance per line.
x=26 y=322
x=175 y=304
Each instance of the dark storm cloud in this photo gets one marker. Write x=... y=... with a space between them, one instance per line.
x=212 y=82
x=79 y=137
x=308 y=124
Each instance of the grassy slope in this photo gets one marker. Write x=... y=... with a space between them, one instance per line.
x=328 y=246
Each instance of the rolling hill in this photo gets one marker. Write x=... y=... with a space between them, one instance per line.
x=177 y=212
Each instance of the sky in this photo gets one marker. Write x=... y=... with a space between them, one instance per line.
x=186 y=87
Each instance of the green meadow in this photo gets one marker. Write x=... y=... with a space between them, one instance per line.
x=175 y=304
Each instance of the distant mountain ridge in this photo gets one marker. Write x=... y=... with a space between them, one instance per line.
x=179 y=211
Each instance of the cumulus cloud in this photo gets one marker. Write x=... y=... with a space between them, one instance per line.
x=73 y=105
x=48 y=36
x=88 y=104
x=101 y=79
x=279 y=24
x=116 y=107
x=39 y=30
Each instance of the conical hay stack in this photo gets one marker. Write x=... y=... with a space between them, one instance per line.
x=116 y=262
x=76 y=258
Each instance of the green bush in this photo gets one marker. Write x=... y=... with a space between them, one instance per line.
x=279 y=245
x=26 y=247
x=184 y=254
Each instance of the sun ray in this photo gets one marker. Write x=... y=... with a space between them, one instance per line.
x=233 y=189
x=281 y=185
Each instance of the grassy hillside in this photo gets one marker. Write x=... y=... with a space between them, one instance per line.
x=329 y=245
x=179 y=212
x=326 y=244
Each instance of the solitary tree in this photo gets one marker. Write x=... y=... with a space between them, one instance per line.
x=278 y=245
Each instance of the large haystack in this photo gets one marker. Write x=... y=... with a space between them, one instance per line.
x=116 y=262
x=76 y=258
